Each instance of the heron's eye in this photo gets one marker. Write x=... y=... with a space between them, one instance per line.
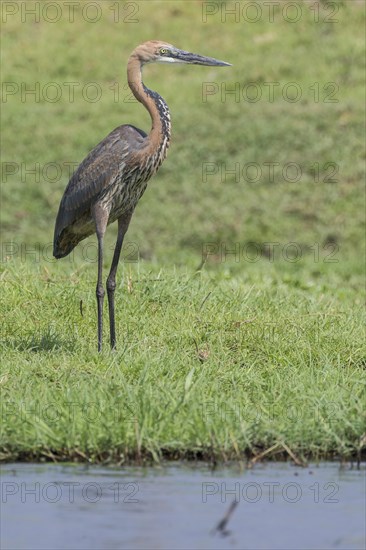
x=163 y=51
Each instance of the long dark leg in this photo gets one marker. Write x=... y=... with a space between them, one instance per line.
x=123 y=223
x=100 y=218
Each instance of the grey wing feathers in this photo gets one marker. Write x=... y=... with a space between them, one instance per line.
x=97 y=171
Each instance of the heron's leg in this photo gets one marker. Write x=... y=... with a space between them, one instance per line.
x=123 y=223
x=100 y=217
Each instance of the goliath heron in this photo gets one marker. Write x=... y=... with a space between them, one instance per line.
x=110 y=181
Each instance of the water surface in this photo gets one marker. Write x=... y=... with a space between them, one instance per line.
x=47 y=506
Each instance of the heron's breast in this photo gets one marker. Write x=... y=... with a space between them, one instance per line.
x=132 y=183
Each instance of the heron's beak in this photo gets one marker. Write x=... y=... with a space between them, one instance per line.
x=180 y=56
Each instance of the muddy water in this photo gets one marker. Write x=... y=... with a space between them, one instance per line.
x=279 y=507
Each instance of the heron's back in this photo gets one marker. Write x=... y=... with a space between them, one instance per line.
x=113 y=174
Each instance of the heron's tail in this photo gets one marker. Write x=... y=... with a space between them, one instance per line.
x=65 y=239
x=63 y=246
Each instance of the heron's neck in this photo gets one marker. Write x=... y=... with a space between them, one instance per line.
x=159 y=135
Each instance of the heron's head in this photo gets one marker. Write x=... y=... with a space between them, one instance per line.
x=155 y=51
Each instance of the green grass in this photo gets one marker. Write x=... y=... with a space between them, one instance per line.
x=205 y=366
x=220 y=355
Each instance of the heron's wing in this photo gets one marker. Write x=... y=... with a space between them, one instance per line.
x=100 y=169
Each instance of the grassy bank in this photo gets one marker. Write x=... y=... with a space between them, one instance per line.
x=240 y=295
x=206 y=366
